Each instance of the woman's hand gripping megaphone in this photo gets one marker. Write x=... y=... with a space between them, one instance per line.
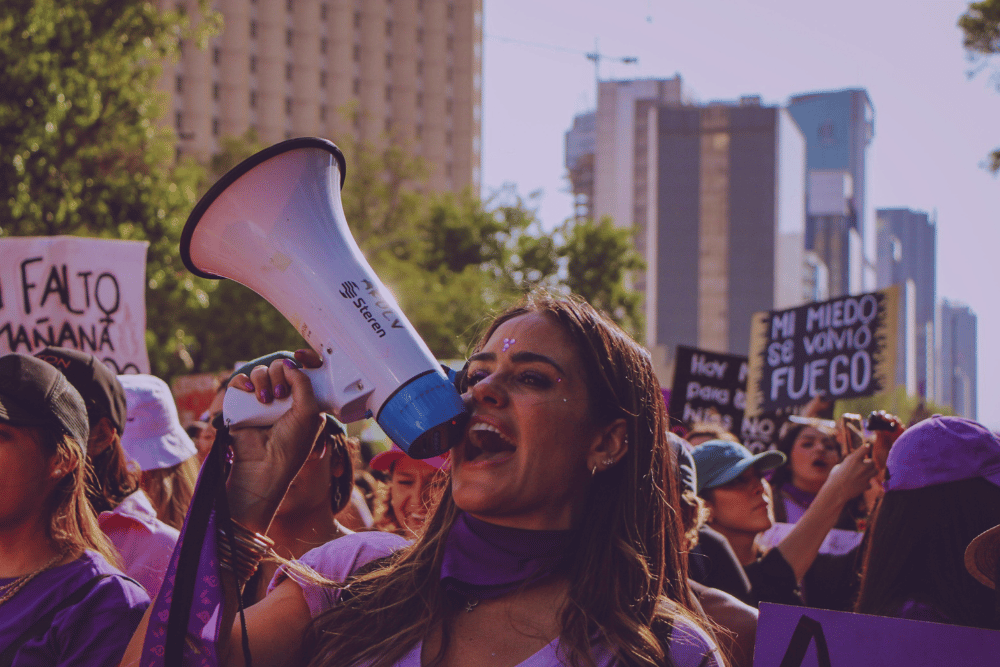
x=265 y=460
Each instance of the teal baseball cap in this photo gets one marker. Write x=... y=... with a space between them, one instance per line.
x=720 y=461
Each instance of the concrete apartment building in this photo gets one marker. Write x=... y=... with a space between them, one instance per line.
x=407 y=72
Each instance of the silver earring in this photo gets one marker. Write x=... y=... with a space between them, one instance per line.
x=57 y=472
x=608 y=462
x=594 y=471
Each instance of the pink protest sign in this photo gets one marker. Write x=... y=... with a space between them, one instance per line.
x=804 y=637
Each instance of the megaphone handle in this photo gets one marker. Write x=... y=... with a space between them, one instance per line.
x=241 y=408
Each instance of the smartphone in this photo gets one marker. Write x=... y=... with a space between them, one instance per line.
x=853 y=431
x=879 y=420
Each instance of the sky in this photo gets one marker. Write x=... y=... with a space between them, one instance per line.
x=934 y=125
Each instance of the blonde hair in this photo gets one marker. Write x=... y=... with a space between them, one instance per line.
x=72 y=523
x=170 y=490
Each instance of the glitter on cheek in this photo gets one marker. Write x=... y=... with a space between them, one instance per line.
x=507 y=342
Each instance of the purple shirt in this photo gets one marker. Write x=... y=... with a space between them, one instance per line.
x=144 y=542
x=336 y=560
x=93 y=632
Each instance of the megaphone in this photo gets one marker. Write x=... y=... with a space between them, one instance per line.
x=275 y=224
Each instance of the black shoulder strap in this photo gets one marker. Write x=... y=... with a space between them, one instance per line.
x=40 y=626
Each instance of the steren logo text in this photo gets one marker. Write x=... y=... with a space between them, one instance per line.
x=350 y=291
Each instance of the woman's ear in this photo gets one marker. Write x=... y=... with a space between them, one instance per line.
x=609 y=447
x=61 y=463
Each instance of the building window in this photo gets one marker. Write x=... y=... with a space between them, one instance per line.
x=357 y=53
x=216 y=55
x=357 y=86
x=388 y=125
x=451 y=42
x=215 y=91
x=322 y=11
x=420 y=68
x=253 y=64
x=388 y=60
x=448 y=106
x=179 y=84
x=253 y=30
x=451 y=10
x=420 y=130
x=253 y=99
x=215 y=127
x=420 y=35
x=447 y=137
x=288 y=6
x=388 y=93
x=448 y=170
x=322 y=43
x=322 y=112
x=450 y=74
x=322 y=79
x=288 y=71
x=388 y=28
x=288 y=37
x=288 y=105
x=357 y=19
x=178 y=121
x=420 y=100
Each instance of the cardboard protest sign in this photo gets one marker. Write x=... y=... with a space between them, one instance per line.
x=83 y=293
x=708 y=387
x=843 y=348
x=806 y=637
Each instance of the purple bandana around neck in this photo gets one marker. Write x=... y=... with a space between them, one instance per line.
x=803 y=498
x=486 y=561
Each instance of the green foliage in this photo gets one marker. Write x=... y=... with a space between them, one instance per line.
x=599 y=258
x=910 y=409
x=981 y=37
x=81 y=148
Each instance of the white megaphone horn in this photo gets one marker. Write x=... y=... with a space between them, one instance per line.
x=275 y=224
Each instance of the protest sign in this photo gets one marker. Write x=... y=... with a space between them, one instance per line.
x=805 y=637
x=842 y=348
x=83 y=293
x=708 y=387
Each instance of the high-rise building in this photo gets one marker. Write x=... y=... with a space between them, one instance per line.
x=957 y=380
x=725 y=198
x=407 y=72
x=580 y=148
x=838 y=126
x=905 y=252
x=716 y=196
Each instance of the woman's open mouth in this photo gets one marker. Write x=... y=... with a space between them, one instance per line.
x=485 y=442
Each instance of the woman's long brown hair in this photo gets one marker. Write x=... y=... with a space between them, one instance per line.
x=628 y=576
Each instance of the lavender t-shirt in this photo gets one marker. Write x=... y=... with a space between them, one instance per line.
x=91 y=633
x=336 y=560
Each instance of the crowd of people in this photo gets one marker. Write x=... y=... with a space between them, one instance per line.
x=568 y=526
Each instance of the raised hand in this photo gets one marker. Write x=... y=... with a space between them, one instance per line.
x=265 y=460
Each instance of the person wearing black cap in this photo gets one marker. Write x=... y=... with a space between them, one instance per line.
x=61 y=600
x=113 y=480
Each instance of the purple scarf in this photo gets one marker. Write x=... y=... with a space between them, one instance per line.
x=483 y=560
